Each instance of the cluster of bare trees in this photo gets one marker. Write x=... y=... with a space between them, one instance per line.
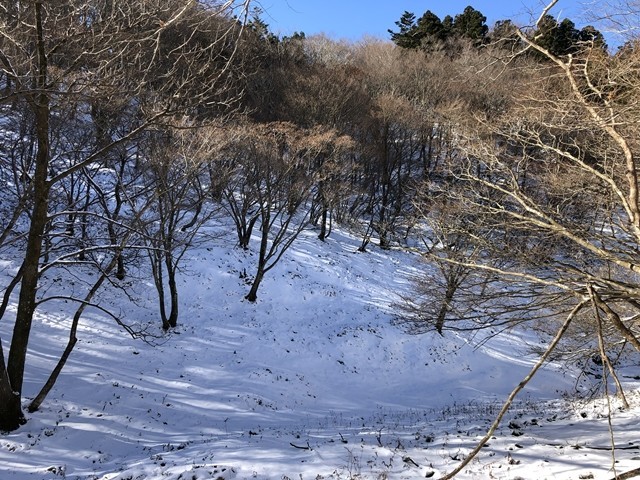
x=542 y=195
x=125 y=128
x=535 y=216
x=86 y=86
x=124 y=131
x=514 y=164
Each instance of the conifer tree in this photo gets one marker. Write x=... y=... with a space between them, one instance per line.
x=471 y=24
x=558 y=38
x=406 y=36
x=503 y=30
x=430 y=25
x=590 y=34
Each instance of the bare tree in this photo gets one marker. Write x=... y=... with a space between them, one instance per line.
x=409 y=131
x=276 y=170
x=554 y=178
x=175 y=200
x=232 y=184
x=559 y=170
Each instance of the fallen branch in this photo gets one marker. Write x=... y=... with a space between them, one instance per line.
x=308 y=447
x=590 y=447
x=626 y=475
x=633 y=447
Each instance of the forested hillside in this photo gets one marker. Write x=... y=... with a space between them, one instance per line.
x=499 y=160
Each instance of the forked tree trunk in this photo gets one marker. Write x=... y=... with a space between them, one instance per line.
x=158 y=278
x=244 y=232
x=158 y=264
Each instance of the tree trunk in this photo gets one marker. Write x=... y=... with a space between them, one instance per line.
x=452 y=286
x=323 y=224
x=11 y=378
x=244 y=233
x=121 y=272
x=172 y=320
x=11 y=416
x=157 y=270
x=252 y=296
x=44 y=391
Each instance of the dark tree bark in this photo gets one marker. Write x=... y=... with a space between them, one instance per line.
x=11 y=416
x=11 y=379
x=252 y=296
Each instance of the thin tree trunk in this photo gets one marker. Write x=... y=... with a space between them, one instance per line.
x=606 y=363
x=84 y=236
x=323 y=224
x=452 y=286
x=615 y=320
x=244 y=235
x=252 y=296
x=44 y=391
x=157 y=270
x=8 y=291
x=172 y=320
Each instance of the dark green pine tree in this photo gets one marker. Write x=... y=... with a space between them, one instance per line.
x=545 y=33
x=260 y=28
x=566 y=37
x=470 y=24
x=406 y=36
x=591 y=35
x=430 y=25
x=426 y=33
x=447 y=25
x=558 y=38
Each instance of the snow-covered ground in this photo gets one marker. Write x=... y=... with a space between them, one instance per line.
x=314 y=381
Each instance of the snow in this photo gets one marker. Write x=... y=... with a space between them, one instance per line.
x=313 y=381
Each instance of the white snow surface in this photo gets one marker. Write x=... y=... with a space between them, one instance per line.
x=313 y=381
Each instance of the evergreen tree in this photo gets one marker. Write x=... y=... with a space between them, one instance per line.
x=426 y=33
x=470 y=24
x=430 y=25
x=406 y=37
x=447 y=25
x=566 y=37
x=261 y=28
x=503 y=30
x=592 y=35
x=558 y=38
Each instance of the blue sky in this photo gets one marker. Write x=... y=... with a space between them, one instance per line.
x=352 y=19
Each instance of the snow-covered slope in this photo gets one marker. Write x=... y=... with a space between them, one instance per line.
x=312 y=381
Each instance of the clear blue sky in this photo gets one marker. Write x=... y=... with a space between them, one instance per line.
x=351 y=19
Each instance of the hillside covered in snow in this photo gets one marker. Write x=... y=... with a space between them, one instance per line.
x=314 y=380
